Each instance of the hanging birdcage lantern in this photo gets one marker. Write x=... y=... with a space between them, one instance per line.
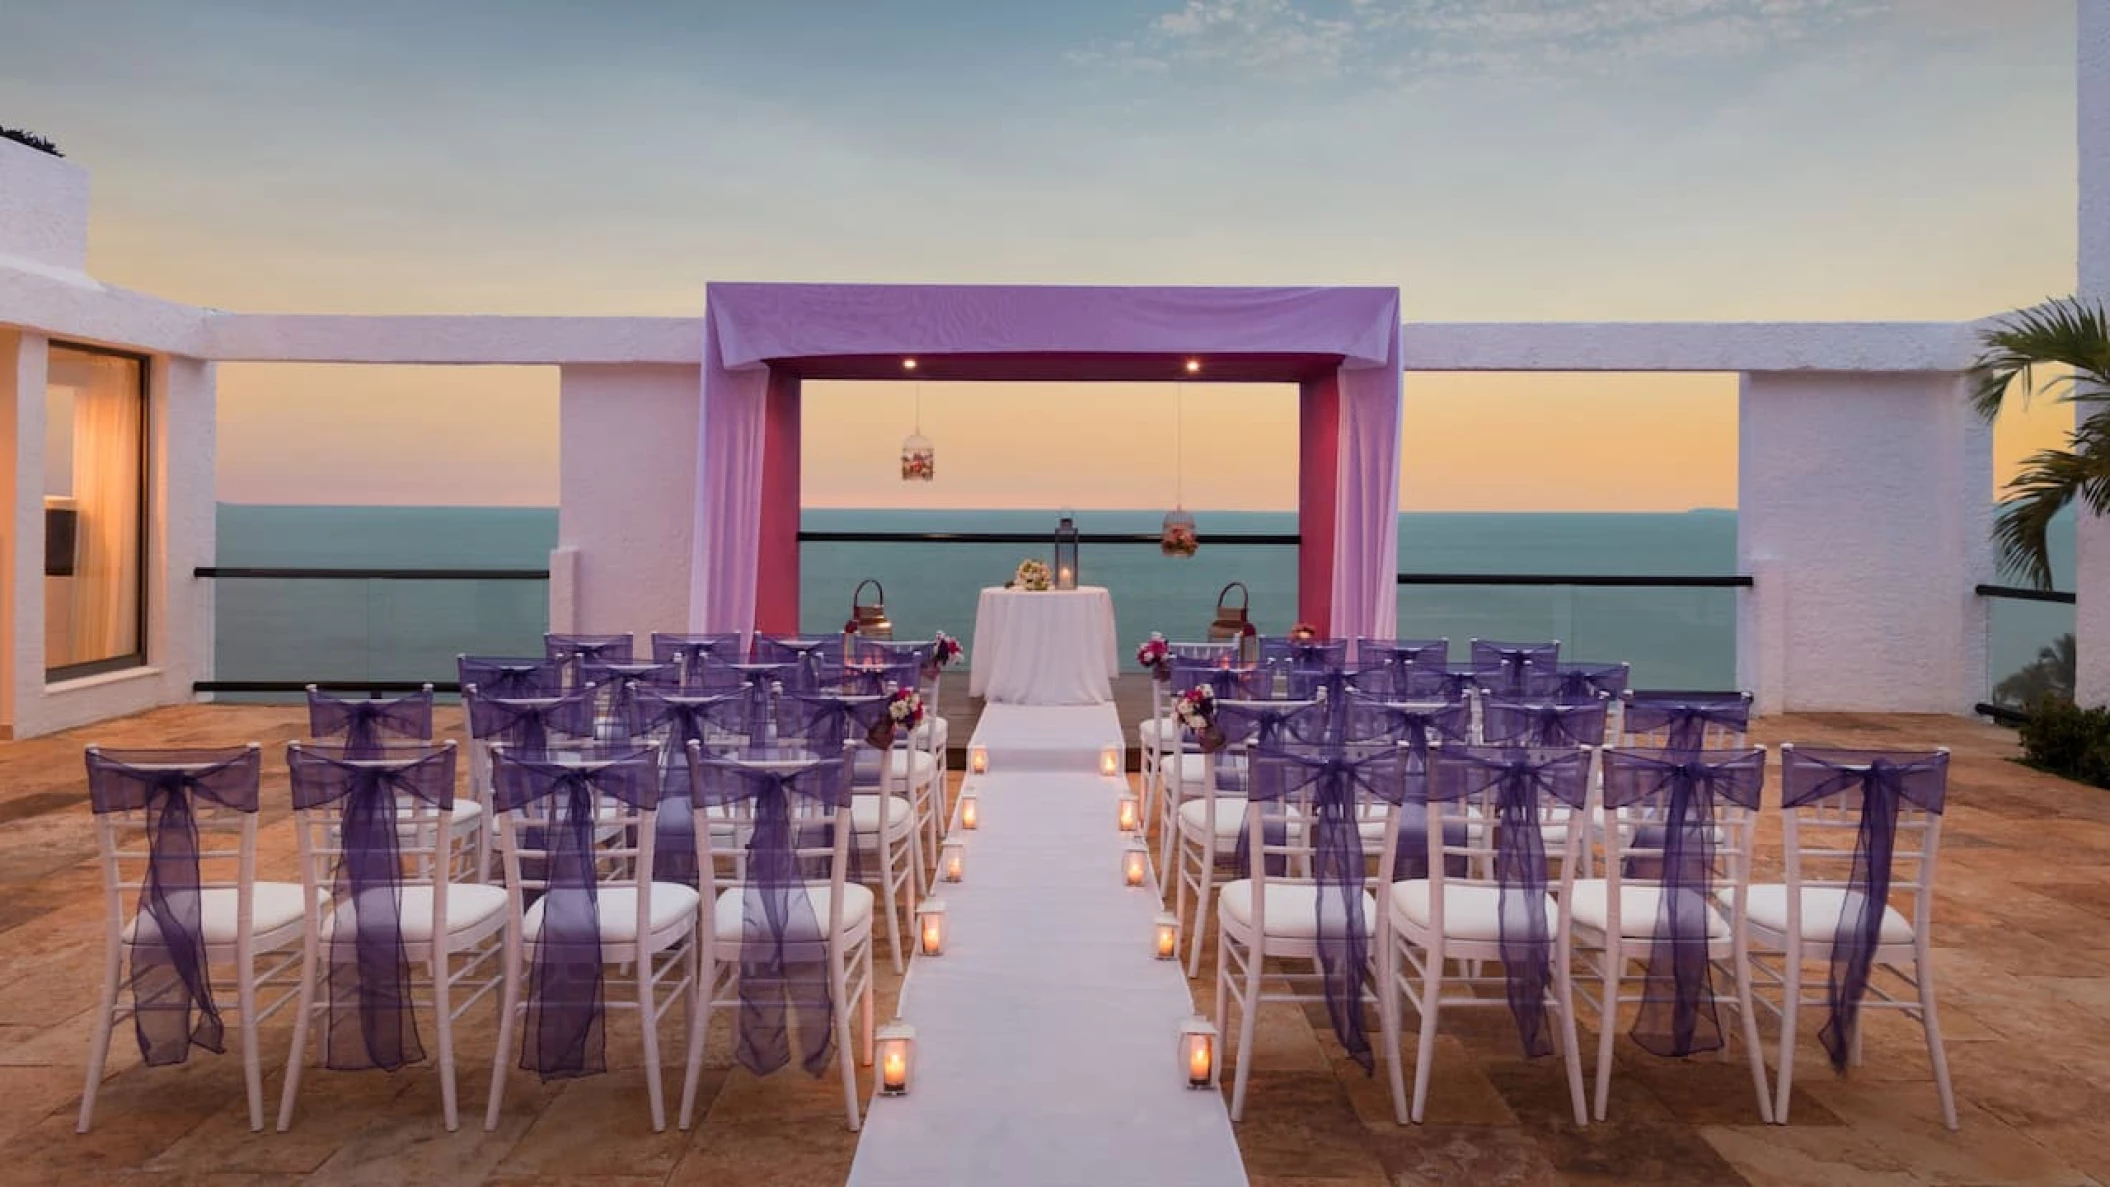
x=1177 y=537
x=919 y=458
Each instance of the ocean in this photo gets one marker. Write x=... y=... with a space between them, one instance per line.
x=339 y=629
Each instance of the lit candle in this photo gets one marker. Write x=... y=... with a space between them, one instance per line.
x=1110 y=761
x=978 y=760
x=1198 y=1052
x=897 y=1057
x=1168 y=927
x=1128 y=813
x=1064 y=576
x=930 y=919
x=970 y=811
x=953 y=859
x=1135 y=862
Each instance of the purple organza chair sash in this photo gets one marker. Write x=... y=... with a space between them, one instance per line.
x=1585 y=682
x=1518 y=781
x=591 y=649
x=565 y=1032
x=1684 y=721
x=1677 y=794
x=825 y=722
x=784 y=978
x=1538 y=723
x=1304 y=653
x=1414 y=728
x=873 y=677
x=1248 y=726
x=500 y=677
x=618 y=684
x=1233 y=682
x=1886 y=782
x=172 y=1003
x=371 y=1020
x=527 y=724
x=674 y=720
x=1328 y=786
x=815 y=659
x=364 y=724
x=691 y=651
x=1371 y=652
x=1501 y=667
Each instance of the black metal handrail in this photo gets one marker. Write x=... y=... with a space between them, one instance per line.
x=2022 y=593
x=2000 y=714
x=878 y=537
x=446 y=686
x=281 y=573
x=1621 y=580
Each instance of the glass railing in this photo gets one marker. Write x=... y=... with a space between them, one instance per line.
x=1676 y=632
x=279 y=629
x=2029 y=646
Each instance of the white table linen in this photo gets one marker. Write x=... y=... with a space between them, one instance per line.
x=1051 y=647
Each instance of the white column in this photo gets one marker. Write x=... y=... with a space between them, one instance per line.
x=2092 y=543
x=626 y=497
x=1862 y=518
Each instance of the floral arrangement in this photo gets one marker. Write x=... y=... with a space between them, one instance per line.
x=919 y=465
x=904 y=711
x=1155 y=657
x=1032 y=574
x=1179 y=540
x=1196 y=710
x=944 y=650
x=1303 y=632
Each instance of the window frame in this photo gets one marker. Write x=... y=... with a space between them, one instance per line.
x=137 y=657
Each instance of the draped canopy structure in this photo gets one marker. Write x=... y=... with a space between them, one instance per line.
x=1341 y=346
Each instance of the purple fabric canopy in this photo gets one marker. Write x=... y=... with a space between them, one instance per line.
x=363 y=724
x=750 y=327
x=372 y=1021
x=172 y=1003
x=565 y=1032
x=1884 y=783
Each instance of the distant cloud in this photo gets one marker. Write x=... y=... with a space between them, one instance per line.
x=1403 y=39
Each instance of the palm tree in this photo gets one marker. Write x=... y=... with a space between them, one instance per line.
x=2067 y=334
x=2049 y=675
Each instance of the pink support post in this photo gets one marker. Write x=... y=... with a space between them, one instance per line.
x=777 y=574
x=1318 y=473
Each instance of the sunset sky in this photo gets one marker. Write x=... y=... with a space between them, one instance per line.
x=1499 y=160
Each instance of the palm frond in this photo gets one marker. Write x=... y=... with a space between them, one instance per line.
x=2065 y=332
x=2045 y=485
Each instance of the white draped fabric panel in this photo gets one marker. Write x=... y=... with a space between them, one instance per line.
x=1051 y=647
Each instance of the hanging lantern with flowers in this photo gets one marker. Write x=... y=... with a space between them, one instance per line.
x=919 y=458
x=1177 y=536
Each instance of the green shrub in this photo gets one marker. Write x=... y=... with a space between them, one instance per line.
x=2074 y=743
x=31 y=139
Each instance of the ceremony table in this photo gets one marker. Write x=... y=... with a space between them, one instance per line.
x=1046 y=647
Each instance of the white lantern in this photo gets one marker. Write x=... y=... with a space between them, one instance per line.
x=1198 y=1052
x=1135 y=862
x=1131 y=813
x=1168 y=935
x=970 y=810
x=930 y=926
x=952 y=861
x=978 y=760
x=1110 y=761
x=896 y=1043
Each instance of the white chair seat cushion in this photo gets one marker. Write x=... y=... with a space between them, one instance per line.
x=1470 y=913
x=1193 y=766
x=469 y=905
x=729 y=914
x=1230 y=817
x=1640 y=908
x=272 y=905
x=1158 y=733
x=1766 y=906
x=933 y=734
x=911 y=767
x=1292 y=909
x=864 y=815
x=669 y=903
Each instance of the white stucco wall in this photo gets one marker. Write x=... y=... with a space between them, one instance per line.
x=43 y=208
x=628 y=482
x=2092 y=533
x=1861 y=516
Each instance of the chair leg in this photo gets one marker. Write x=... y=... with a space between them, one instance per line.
x=648 y=1033
x=443 y=1032
x=1391 y=1019
x=1571 y=1045
x=845 y=1042
x=99 y=1043
x=1937 y=1056
x=888 y=905
x=869 y=1007
x=1608 y=1021
x=1790 y=1003
x=508 y=1012
x=1431 y=1007
x=252 y=1058
x=303 y=1011
x=699 y=1028
x=1201 y=911
x=1753 y=1052
x=1248 y=1016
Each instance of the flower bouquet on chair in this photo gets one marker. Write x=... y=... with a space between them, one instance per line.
x=1032 y=575
x=1196 y=710
x=944 y=652
x=1155 y=657
x=904 y=711
x=1304 y=632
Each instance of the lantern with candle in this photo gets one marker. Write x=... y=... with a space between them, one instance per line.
x=1198 y=1052
x=1066 y=539
x=930 y=926
x=1135 y=862
x=1110 y=761
x=896 y=1043
x=970 y=810
x=1168 y=935
x=952 y=861
x=1130 y=814
x=978 y=760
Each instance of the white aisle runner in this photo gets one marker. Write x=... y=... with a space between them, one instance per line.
x=1046 y=1034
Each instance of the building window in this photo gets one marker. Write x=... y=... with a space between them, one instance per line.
x=95 y=461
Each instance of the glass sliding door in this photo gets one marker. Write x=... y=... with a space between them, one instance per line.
x=95 y=432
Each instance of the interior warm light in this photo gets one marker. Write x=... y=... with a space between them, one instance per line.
x=1193 y=365
x=908 y=364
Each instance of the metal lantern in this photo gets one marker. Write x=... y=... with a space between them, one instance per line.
x=1177 y=535
x=970 y=810
x=952 y=861
x=869 y=620
x=1110 y=761
x=919 y=458
x=1168 y=935
x=1066 y=554
x=978 y=760
x=1135 y=862
x=1129 y=813
x=930 y=926
x=896 y=1042
x=1198 y=1052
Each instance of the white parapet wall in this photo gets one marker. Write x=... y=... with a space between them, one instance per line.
x=627 y=508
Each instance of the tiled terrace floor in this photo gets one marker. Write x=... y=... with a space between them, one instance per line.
x=2024 y=962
